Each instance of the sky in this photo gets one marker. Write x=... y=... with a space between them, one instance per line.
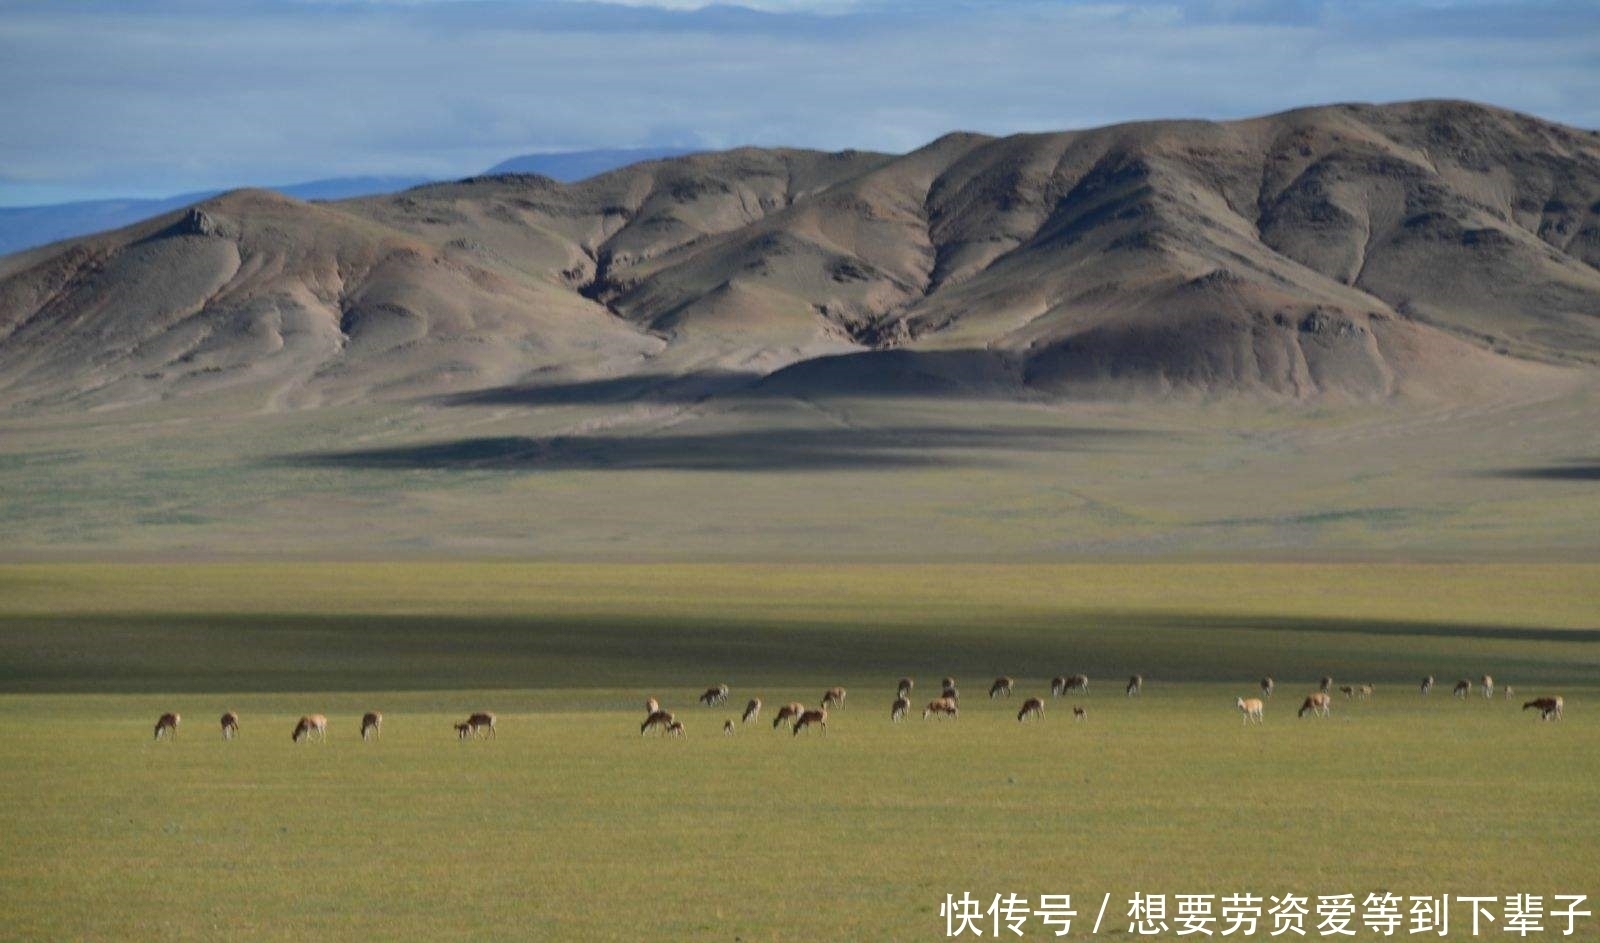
x=153 y=97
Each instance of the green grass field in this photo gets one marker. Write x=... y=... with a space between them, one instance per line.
x=569 y=826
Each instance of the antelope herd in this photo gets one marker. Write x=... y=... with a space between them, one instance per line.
x=798 y=717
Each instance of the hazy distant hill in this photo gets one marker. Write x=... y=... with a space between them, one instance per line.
x=572 y=166
x=1428 y=249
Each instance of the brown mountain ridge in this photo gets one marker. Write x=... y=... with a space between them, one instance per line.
x=1428 y=250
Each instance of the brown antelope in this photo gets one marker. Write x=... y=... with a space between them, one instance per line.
x=1080 y=713
x=371 y=725
x=1135 y=686
x=167 y=725
x=1427 y=684
x=752 y=711
x=651 y=705
x=1510 y=691
x=1365 y=691
x=1058 y=685
x=657 y=718
x=1326 y=684
x=463 y=730
x=818 y=717
x=727 y=728
x=714 y=696
x=1079 y=683
x=483 y=720
x=1267 y=685
x=950 y=693
x=897 y=710
x=675 y=729
x=941 y=707
x=230 y=725
x=309 y=725
x=1318 y=703
x=1549 y=707
x=1488 y=687
x=1001 y=686
x=1463 y=688
x=833 y=697
x=1348 y=691
x=1251 y=709
x=947 y=682
x=788 y=714
x=1031 y=707
x=903 y=689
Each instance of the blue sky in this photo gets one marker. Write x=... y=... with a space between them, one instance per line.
x=147 y=97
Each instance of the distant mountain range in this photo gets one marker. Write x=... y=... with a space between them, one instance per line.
x=1436 y=251
x=24 y=227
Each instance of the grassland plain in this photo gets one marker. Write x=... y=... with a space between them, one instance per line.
x=570 y=826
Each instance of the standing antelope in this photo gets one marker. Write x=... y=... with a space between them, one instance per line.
x=1058 y=685
x=651 y=705
x=1031 y=707
x=897 y=711
x=1427 y=684
x=1326 y=684
x=1318 y=703
x=371 y=725
x=1347 y=690
x=1365 y=691
x=1510 y=691
x=167 y=724
x=1266 y=687
x=947 y=682
x=1251 y=709
x=1549 y=707
x=675 y=729
x=1463 y=688
x=903 y=689
x=1080 y=713
x=788 y=713
x=833 y=697
x=463 y=730
x=480 y=721
x=752 y=711
x=818 y=717
x=949 y=693
x=1078 y=683
x=1488 y=687
x=1135 y=685
x=941 y=707
x=727 y=728
x=230 y=725
x=1002 y=685
x=309 y=725
x=714 y=696
x=657 y=718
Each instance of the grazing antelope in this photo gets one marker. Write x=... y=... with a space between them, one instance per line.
x=1078 y=683
x=1135 y=686
x=903 y=689
x=1251 y=709
x=675 y=729
x=818 y=717
x=1058 y=685
x=752 y=711
x=167 y=724
x=651 y=705
x=1318 y=703
x=1032 y=706
x=1267 y=685
x=897 y=711
x=1348 y=691
x=727 y=728
x=714 y=696
x=480 y=721
x=1427 y=684
x=1549 y=707
x=1463 y=688
x=463 y=730
x=371 y=725
x=941 y=707
x=657 y=718
x=311 y=724
x=833 y=697
x=1488 y=687
x=1080 y=713
x=230 y=725
x=1365 y=691
x=788 y=713
x=1326 y=684
x=1002 y=685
